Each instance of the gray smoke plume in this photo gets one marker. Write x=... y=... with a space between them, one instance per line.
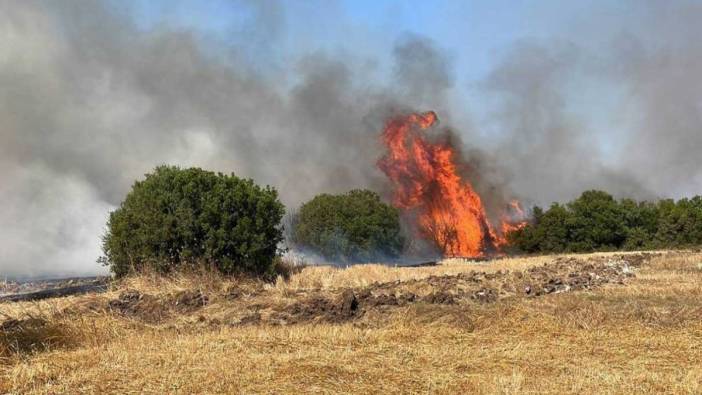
x=646 y=81
x=89 y=102
x=551 y=154
x=661 y=73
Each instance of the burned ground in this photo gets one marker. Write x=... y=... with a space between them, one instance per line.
x=560 y=275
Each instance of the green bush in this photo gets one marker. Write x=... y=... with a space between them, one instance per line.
x=179 y=217
x=596 y=221
x=355 y=226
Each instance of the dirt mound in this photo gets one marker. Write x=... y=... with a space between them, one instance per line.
x=144 y=307
x=188 y=301
x=259 y=305
x=439 y=298
x=317 y=308
x=560 y=275
x=151 y=309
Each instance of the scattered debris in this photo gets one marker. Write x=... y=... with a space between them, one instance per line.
x=144 y=307
x=318 y=308
x=560 y=275
x=485 y=295
x=186 y=301
x=439 y=298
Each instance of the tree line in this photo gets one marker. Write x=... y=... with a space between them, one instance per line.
x=596 y=221
x=182 y=217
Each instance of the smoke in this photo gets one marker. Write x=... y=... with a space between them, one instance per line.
x=423 y=72
x=621 y=113
x=90 y=101
x=550 y=151
x=661 y=73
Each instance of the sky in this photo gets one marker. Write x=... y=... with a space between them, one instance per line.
x=544 y=99
x=470 y=30
x=473 y=34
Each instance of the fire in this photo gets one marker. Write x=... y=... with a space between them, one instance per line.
x=426 y=183
x=513 y=219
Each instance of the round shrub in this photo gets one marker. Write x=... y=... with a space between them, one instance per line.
x=355 y=226
x=178 y=217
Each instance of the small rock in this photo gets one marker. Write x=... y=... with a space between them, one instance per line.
x=485 y=295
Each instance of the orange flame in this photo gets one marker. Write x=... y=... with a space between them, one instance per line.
x=426 y=181
x=513 y=219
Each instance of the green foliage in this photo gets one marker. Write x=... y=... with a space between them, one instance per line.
x=596 y=221
x=355 y=226
x=183 y=216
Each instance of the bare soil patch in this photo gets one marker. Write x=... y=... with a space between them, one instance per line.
x=564 y=274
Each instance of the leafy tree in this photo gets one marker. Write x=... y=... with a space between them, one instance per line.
x=597 y=221
x=641 y=221
x=179 y=216
x=548 y=233
x=680 y=223
x=354 y=226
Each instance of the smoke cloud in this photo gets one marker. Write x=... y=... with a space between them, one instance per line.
x=623 y=114
x=90 y=102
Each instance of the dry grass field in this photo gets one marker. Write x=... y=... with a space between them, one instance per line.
x=606 y=323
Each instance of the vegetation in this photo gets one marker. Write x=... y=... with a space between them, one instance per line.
x=183 y=216
x=642 y=337
x=597 y=221
x=354 y=226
